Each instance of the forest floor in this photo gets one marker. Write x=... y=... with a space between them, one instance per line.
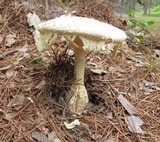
x=124 y=90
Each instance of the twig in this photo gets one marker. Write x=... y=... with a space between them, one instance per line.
x=3 y=55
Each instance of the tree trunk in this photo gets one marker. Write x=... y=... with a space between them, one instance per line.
x=145 y=8
x=132 y=5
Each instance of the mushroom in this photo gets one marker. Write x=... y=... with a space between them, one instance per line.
x=82 y=35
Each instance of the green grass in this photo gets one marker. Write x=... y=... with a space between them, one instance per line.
x=155 y=28
x=139 y=16
x=147 y=18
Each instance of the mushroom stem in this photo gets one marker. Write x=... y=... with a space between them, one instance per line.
x=78 y=97
x=79 y=66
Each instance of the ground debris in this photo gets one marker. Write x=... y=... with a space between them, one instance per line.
x=17 y=102
x=73 y=124
x=39 y=136
x=134 y=124
x=33 y=86
x=127 y=105
x=10 y=40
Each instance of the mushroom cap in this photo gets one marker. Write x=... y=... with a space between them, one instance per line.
x=87 y=29
x=83 y=26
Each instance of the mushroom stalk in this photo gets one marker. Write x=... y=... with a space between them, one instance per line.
x=79 y=66
x=78 y=97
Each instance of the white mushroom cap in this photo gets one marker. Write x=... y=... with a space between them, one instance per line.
x=95 y=35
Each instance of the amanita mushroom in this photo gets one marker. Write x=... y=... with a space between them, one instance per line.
x=82 y=35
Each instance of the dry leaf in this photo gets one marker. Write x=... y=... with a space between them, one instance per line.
x=23 y=53
x=151 y=85
x=25 y=56
x=156 y=53
x=91 y=64
x=10 y=40
x=134 y=124
x=98 y=71
x=138 y=62
x=41 y=85
x=39 y=136
x=4 y=115
x=73 y=124
x=96 y=136
x=148 y=87
x=29 y=87
x=8 y=116
x=52 y=137
x=40 y=117
x=24 y=49
x=2 y=76
x=110 y=115
x=45 y=130
x=11 y=72
x=127 y=105
x=115 y=69
x=111 y=139
x=17 y=102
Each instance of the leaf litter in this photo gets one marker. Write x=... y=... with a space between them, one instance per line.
x=33 y=92
x=134 y=124
x=10 y=40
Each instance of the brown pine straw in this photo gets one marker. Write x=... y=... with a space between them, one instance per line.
x=119 y=131
x=48 y=108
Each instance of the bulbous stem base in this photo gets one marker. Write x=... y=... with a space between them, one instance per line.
x=77 y=96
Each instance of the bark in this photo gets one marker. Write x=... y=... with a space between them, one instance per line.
x=145 y=8
x=132 y=5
